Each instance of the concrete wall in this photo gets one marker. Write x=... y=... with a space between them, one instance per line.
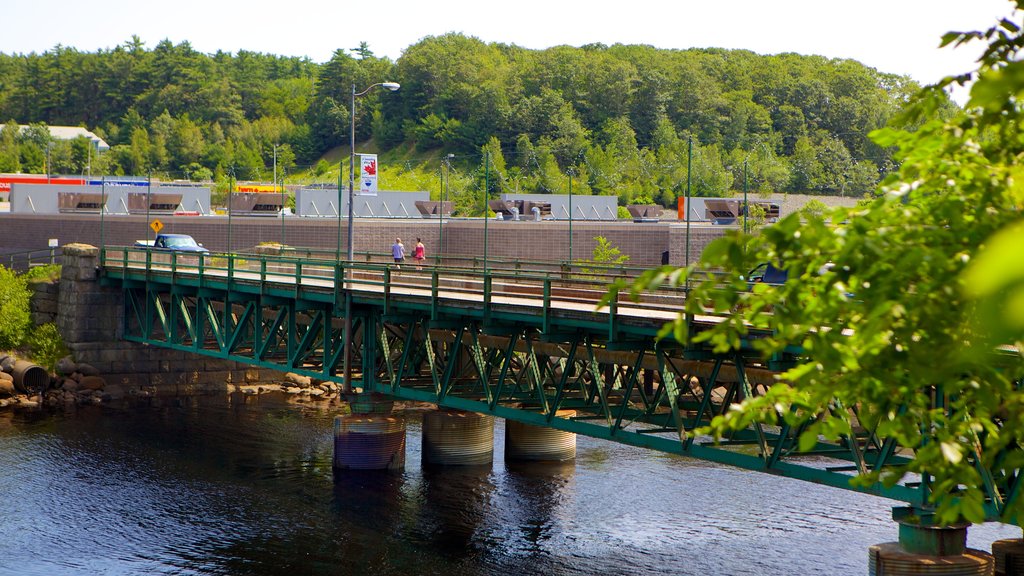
x=316 y=202
x=89 y=319
x=547 y=241
x=583 y=207
x=42 y=198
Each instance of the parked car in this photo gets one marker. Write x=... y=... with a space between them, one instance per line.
x=768 y=273
x=173 y=242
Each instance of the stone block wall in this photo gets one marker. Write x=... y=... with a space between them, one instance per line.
x=43 y=303
x=90 y=320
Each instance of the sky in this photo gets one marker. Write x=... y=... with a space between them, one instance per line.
x=893 y=36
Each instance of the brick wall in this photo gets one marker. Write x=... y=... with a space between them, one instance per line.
x=644 y=243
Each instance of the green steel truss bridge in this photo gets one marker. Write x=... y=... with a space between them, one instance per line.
x=516 y=341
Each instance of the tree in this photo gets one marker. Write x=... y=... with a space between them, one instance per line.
x=924 y=281
x=10 y=159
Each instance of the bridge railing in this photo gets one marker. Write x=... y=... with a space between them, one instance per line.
x=583 y=286
x=474 y=262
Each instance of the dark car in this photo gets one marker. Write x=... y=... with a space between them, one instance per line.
x=768 y=273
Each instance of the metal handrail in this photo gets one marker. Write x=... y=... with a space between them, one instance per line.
x=547 y=286
x=21 y=261
x=473 y=261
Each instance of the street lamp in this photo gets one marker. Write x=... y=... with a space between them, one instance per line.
x=447 y=176
x=392 y=86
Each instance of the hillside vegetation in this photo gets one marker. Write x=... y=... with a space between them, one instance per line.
x=621 y=120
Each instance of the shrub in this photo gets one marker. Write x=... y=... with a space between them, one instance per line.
x=46 y=345
x=48 y=272
x=14 y=309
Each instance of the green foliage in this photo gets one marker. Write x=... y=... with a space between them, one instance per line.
x=754 y=218
x=14 y=309
x=618 y=118
x=50 y=272
x=925 y=283
x=46 y=346
x=604 y=257
x=622 y=213
x=606 y=253
x=814 y=209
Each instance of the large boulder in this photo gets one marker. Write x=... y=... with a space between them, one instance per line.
x=91 y=383
x=65 y=366
x=87 y=370
x=298 y=380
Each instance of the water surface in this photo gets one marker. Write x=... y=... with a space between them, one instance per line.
x=243 y=486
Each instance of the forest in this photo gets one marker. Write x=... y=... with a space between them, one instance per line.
x=634 y=121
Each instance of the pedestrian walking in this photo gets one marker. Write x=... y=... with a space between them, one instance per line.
x=398 y=252
x=419 y=254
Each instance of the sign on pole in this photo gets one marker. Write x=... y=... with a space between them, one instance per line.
x=156 y=225
x=368 y=174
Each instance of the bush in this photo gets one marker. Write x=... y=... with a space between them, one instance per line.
x=14 y=309
x=49 y=272
x=46 y=345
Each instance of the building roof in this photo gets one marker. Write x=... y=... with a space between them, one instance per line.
x=72 y=132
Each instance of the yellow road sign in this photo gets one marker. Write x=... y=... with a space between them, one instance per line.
x=156 y=225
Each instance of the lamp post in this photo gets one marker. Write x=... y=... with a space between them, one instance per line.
x=746 y=207
x=689 y=171
x=446 y=180
x=392 y=86
x=487 y=174
x=570 y=217
x=282 y=194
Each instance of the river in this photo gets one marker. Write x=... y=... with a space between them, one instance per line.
x=242 y=485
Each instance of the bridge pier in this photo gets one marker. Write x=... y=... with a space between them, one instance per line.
x=458 y=438
x=526 y=442
x=1009 y=557
x=925 y=548
x=369 y=442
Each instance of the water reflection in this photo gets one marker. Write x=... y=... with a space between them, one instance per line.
x=543 y=491
x=456 y=503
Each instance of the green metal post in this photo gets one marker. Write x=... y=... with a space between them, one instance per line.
x=689 y=165
x=746 y=207
x=149 y=195
x=282 y=195
x=487 y=173
x=570 y=217
x=440 y=216
x=352 y=175
x=103 y=194
x=231 y=188
x=337 y=253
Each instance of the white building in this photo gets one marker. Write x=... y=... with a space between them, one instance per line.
x=72 y=132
